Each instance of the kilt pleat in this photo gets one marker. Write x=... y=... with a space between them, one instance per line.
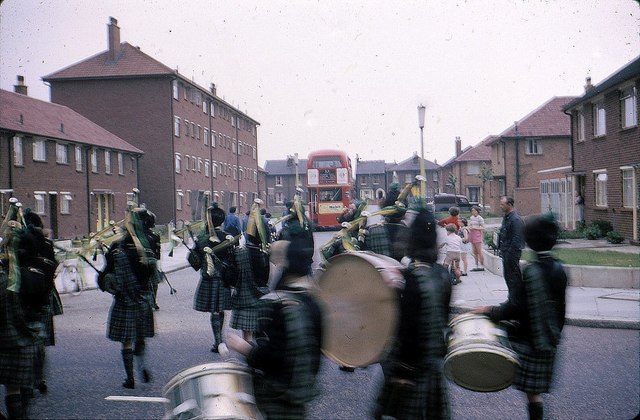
x=211 y=295
x=246 y=309
x=535 y=373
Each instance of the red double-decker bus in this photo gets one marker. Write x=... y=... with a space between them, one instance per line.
x=330 y=181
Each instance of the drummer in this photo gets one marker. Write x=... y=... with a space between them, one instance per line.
x=538 y=304
x=414 y=385
x=287 y=356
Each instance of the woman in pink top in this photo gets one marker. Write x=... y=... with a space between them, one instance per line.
x=476 y=236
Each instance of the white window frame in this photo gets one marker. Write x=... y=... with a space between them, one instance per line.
x=254 y=152
x=38 y=198
x=198 y=132
x=628 y=107
x=179 y=195
x=205 y=136
x=600 y=180
x=176 y=90
x=533 y=147
x=79 y=158
x=204 y=107
x=279 y=197
x=207 y=167
x=212 y=109
x=199 y=164
x=580 y=127
x=214 y=169
x=214 y=137
x=193 y=163
x=40 y=150
x=178 y=163
x=120 y=163
x=94 y=160
x=599 y=119
x=234 y=149
x=193 y=130
x=62 y=153
x=473 y=168
x=107 y=162
x=408 y=178
x=65 y=202
x=627 y=174
x=176 y=126
x=186 y=128
x=18 y=151
x=278 y=180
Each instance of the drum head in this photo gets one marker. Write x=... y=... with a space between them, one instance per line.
x=481 y=367
x=359 y=309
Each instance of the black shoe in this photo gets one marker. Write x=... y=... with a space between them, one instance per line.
x=129 y=384
x=214 y=348
x=156 y=307
x=347 y=369
x=42 y=387
x=146 y=376
x=463 y=274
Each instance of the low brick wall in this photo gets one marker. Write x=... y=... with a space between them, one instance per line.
x=582 y=276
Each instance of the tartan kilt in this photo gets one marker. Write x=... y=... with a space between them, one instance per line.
x=535 y=373
x=377 y=240
x=18 y=365
x=246 y=308
x=130 y=321
x=427 y=398
x=211 y=295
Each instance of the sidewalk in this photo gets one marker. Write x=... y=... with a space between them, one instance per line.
x=586 y=306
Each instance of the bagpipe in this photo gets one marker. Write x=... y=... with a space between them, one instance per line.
x=352 y=236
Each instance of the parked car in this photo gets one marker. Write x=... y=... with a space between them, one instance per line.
x=442 y=202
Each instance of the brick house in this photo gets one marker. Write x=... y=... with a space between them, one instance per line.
x=606 y=150
x=281 y=182
x=194 y=141
x=75 y=174
x=466 y=166
x=371 y=177
x=533 y=153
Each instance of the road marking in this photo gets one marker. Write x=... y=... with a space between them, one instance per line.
x=136 y=399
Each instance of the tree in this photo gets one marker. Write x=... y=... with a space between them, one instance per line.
x=452 y=181
x=486 y=174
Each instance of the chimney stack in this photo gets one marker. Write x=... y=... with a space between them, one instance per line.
x=114 y=38
x=588 y=86
x=20 y=88
x=458 y=146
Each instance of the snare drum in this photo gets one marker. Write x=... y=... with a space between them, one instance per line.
x=360 y=307
x=212 y=391
x=479 y=357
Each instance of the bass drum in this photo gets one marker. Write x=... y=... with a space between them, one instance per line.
x=360 y=307
x=479 y=357
x=211 y=391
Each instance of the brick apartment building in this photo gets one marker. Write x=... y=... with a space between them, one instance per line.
x=75 y=174
x=531 y=157
x=194 y=141
x=466 y=166
x=606 y=150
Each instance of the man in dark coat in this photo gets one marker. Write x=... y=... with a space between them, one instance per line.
x=537 y=305
x=414 y=385
x=510 y=242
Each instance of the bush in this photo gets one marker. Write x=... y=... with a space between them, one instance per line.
x=614 y=237
x=593 y=232
x=572 y=234
x=604 y=226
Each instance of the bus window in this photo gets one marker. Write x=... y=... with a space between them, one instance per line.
x=331 y=194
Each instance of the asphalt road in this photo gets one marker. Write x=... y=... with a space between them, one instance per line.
x=597 y=374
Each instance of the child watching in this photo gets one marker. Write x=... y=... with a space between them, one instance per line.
x=453 y=244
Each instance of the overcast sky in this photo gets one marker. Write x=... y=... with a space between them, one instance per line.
x=345 y=74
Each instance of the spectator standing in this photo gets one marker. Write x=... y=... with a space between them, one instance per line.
x=232 y=223
x=476 y=236
x=454 y=217
x=510 y=242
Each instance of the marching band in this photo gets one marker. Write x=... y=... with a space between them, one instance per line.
x=263 y=277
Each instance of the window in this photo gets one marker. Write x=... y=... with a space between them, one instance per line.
x=474 y=194
x=62 y=154
x=206 y=168
x=601 y=187
x=408 y=178
x=176 y=92
x=178 y=163
x=79 y=158
x=205 y=137
x=235 y=172
x=473 y=168
x=94 y=161
x=363 y=180
x=120 y=163
x=233 y=147
x=198 y=132
x=278 y=180
x=279 y=197
x=186 y=128
x=627 y=186
x=187 y=162
x=39 y=202
x=193 y=163
x=212 y=109
x=188 y=197
x=255 y=176
x=233 y=121
x=599 y=119
x=628 y=107
x=580 y=126
x=65 y=202
x=204 y=106
x=254 y=153
x=214 y=169
x=18 y=155
x=193 y=130
x=435 y=176
x=176 y=126
x=39 y=150
x=107 y=162
x=533 y=148
x=376 y=179
x=179 y=196
x=199 y=164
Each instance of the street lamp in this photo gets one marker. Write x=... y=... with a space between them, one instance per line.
x=423 y=185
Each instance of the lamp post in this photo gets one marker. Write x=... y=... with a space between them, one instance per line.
x=423 y=184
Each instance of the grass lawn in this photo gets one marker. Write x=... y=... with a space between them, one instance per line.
x=589 y=257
